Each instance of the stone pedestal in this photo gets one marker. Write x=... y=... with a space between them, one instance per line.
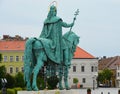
x=50 y=92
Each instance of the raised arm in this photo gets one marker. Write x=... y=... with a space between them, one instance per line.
x=66 y=25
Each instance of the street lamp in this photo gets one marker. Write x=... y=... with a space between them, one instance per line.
x=4 y=82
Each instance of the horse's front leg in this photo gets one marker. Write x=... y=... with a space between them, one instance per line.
x=28 y=85
x=66 y=67
x=60 y=77
x=35 y=73
x=27 y=77
x=66 y=77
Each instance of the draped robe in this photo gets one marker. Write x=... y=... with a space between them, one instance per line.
x=52 y=35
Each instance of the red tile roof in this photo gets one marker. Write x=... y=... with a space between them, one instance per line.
x=12 y=45
x=80 y=53
x=20 y=46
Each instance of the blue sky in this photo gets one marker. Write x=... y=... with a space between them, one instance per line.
x=98 y=23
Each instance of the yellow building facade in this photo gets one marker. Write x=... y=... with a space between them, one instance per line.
x=12 y=55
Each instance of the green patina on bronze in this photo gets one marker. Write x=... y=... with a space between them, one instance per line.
x=52 y=30
x=50 y=49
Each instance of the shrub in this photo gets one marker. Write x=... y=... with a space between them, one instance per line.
x=19 y=80
x=2 y=74
x=10 y=81
x=75 y=80
x=0 y=57
x=17 y=89
x=52 y=82
x=10 y=91
x=40 y=83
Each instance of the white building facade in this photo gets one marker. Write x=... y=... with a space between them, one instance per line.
x=85 y=70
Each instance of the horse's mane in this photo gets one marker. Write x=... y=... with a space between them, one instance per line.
x=70 y=36
x=71 y=40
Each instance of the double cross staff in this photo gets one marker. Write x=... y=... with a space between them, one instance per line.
x=76 y=13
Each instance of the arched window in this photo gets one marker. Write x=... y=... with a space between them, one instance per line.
x=11 y=69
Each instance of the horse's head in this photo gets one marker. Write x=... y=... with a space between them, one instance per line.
x=72 y=38
x=70 y=42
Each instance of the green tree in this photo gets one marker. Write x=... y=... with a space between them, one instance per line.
x=19 y=80
x=52 y=82
x=10 y=81
x=100 y=77
x=40 y=82
x=105 y=76
x=75 y=80
x=0 y=57
x=2 y=71
x=2 y=74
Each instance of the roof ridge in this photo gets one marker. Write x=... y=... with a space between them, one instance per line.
x=85 y=51
x=81 y=53
x=111 y=62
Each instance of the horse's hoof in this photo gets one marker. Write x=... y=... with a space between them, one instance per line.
x=67 y=88
x=35 y=88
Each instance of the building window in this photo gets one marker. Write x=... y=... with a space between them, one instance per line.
x=22 y=58
x=118 y=74
x=17 y=58
x=83 y=80
x=96 y=69
x=17 y=69
x=11 y=69
x=74 y=68
x=92 y=69
x=5 y=59
x=22 y=69
x=82 y=68
x=11 y=58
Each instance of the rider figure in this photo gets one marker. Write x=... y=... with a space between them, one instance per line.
x=52 y=30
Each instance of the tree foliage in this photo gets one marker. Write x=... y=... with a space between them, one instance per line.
x=2 y=71
x=52 y=82
x=10 y=81
x=75 y=80
x=19 y=80
x=105 y=76
x=2 y=74
x=0 y=57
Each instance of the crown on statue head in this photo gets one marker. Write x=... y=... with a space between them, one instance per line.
x=53 y=6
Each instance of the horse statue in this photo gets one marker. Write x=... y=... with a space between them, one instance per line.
x=35 y=56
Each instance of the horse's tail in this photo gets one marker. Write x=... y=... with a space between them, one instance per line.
x=28 y=59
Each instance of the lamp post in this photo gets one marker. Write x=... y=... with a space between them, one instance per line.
x=4 y=82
